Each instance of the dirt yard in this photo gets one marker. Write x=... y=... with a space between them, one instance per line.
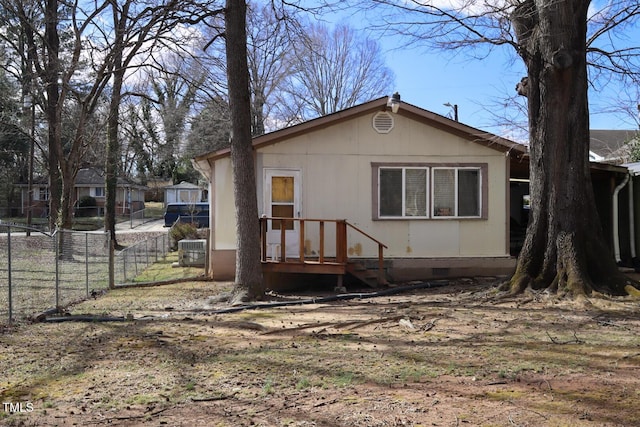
x=452 y=355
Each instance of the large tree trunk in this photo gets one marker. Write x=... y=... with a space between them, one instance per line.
x=112 y=164
x=564 y=249
x=249 y=284
x=52 y=111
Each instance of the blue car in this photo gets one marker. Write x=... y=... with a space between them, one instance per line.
x=197 y=213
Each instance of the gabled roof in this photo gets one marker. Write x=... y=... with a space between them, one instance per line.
x=407 y=110
x=87 y=177
x=92 y=177
x=184 y=185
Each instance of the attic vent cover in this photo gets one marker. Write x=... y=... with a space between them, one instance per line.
x=383 y=122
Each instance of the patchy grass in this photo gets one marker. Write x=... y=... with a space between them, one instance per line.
x=167 y=269
x=469 y=359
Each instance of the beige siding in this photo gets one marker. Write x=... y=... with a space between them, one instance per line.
x=336 y=165
x=224 y=208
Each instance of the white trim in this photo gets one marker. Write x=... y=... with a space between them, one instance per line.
x=292 y=236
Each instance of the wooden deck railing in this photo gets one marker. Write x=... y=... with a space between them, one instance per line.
x=341 y=243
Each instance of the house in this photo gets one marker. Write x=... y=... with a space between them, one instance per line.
x=184 y=192
x=419 y=194
x=89 y=182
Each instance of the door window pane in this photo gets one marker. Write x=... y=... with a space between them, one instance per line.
x=281 y=211
x=282 y=189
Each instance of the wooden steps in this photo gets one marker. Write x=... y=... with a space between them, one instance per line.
x=352 y=268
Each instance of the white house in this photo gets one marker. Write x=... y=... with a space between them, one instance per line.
x=428 y=193
x=184 y=192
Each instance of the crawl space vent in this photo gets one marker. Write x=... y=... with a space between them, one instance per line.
x=383 y=122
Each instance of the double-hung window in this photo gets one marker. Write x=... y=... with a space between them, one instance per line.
x=456 y=192
x=403 y=191
x=42 y=194
x=98 y=191
x=421 y=191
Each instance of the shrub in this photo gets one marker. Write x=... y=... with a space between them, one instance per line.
x=182 y=230
x=86 y=206
x=87 y=202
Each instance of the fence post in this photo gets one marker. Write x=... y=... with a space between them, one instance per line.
x=9 y=272
x=56 y=242
x=135 y=259
x=86 y=262
x=124 y=266
x=112 y=266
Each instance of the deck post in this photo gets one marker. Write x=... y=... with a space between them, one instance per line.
x=321 y=242
x=381 y=278
x=301 y=245
x=283 y=240
x=263 y=238
x=341 y=241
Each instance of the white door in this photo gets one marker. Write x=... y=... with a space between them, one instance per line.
x=282 y=200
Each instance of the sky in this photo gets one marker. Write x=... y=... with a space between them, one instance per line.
x=479 y=88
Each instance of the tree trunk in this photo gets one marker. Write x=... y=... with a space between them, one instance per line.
x=66 y=202
x=564 y=249
x=249 y=284
x=112 y=164
x=52 y=111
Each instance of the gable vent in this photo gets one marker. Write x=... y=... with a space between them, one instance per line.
x=383 y=122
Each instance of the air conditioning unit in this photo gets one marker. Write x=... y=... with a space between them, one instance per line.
x=191 y=253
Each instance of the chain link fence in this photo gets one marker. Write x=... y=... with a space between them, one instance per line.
x=47 y=271
x=131 y=261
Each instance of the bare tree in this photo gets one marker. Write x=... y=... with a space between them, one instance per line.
x=332 y=70
x=557 y=40
x=138 y=29
x=210 y=129
x=173 y=85
x=269 y=49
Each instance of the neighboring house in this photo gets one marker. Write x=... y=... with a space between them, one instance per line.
x=89 y=182
x=185 y=192
x=611 y=146
x=431 y=193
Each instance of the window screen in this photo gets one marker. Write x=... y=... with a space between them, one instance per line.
x=429 y=191
x=391 y=192
x=444 y=192
x=415 y=193
x=468 y=192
